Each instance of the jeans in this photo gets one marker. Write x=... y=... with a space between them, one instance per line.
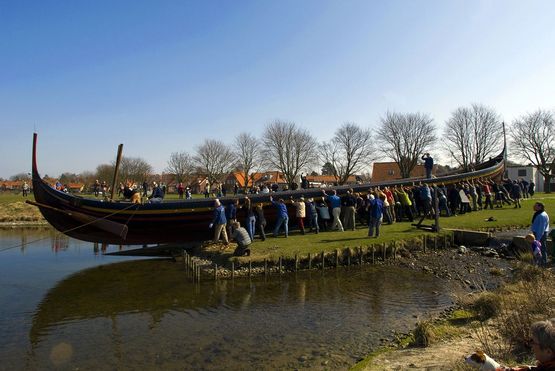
x=250 y=225
x=374 y=223
x=282 y=220
x=543 y=241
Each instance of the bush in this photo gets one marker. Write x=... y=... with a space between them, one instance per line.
x=486 y=306
x=424 y=334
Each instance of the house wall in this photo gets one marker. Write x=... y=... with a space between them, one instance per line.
x=529 y=173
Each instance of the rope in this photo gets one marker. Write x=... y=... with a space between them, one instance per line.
x=71 y=229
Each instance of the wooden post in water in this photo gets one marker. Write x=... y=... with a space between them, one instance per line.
x=360 y=255
x=232 y=270
x=296 y=262
x=336 y=259
x=349 y=258
x=323 y=260
x=384 y=251
x=309 y=261
x=199 y=271
x=116 y=169
x=184 y=253
x=215 y=272
x=265 y=267
x=250 y=268
x=280 y=264
x=373 y=254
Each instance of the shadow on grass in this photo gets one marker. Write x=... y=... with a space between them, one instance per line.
x=348 y=239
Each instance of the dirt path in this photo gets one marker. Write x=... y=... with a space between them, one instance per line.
x=445 y=355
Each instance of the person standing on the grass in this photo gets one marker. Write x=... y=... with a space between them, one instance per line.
x=25 y=189
x=323 y=214
x=540 y=228
x=349 y=203
x=312 y=215
x=335 y=202
x=219 y=222
x=300 y=212
x=231 y=214
x=250 y=217
x=375 y=215
x=516 y=193
x=531 y=188
x=261 y=220
x=283 y=217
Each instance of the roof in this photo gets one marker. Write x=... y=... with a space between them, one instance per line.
x=383 y=171
x=12 y=183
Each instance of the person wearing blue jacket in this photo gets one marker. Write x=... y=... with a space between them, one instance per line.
x=219 y=222
x=375 y=215
x=540 y=228
x=335 y=203
x=283 y=217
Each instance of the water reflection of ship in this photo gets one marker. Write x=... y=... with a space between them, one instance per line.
x=59 y=242
x=157 y=288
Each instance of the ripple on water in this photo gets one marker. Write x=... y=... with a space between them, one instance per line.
x=118 y=317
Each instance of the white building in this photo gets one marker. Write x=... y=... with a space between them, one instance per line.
x=529 y=173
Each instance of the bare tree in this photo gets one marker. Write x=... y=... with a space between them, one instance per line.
x=105 y=172
x=247 y=153
x=181 y=166
x=473 y=134
x=288 y=148
x=215 y=159
x=20 y=176
x=533 y=139
x=349 y=152
x=134 y=169
x=404 y=137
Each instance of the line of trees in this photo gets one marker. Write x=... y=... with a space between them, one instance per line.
x=471 y=135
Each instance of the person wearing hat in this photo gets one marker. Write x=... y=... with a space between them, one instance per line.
x=300 y=212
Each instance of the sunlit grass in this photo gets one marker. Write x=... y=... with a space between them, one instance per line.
x=329 y=241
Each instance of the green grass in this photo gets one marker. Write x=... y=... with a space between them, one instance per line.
x=9 y=197
x=329 y=241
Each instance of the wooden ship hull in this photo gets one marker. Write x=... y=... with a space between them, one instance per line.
x=121 y=222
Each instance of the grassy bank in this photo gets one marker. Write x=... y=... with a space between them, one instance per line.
x=497 y=322
x=507 y=217
x=13 y=209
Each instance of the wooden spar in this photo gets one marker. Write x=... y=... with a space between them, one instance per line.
x=118 y=160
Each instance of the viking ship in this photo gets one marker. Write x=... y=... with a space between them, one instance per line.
x=181 y=221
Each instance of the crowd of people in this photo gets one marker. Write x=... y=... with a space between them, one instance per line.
x=386 y=205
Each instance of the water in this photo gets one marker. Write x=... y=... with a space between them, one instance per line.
x=64 y=307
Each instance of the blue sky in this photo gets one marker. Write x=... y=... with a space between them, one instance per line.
x=162 y=76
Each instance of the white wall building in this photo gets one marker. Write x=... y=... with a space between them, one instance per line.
x=529 y=173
